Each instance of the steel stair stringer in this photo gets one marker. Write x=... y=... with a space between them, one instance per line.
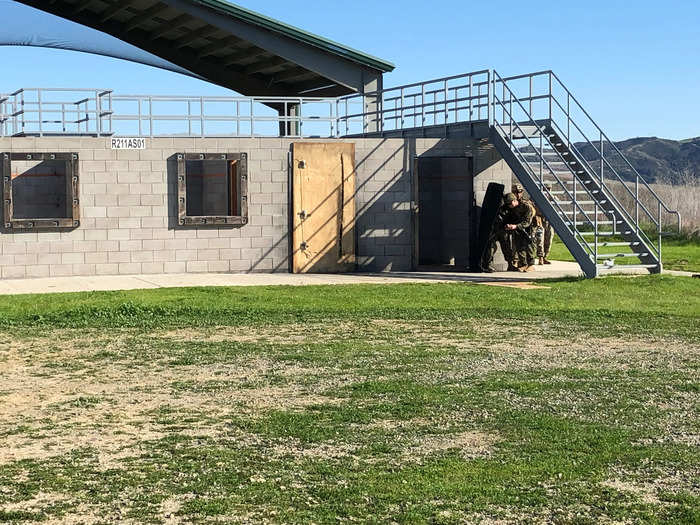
x=626 y=228
x=582 y=256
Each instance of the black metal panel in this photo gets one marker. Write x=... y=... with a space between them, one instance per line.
x=242 y=189
x=72 y=192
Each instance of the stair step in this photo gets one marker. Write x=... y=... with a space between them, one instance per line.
x=611 y=244
x=582 y=203
x=616 y=255
x=600 y=223
x=629 y=266
x=606 y=234
x=579 y=212
x=521 y=132
x=564 y=192
x=567 y=180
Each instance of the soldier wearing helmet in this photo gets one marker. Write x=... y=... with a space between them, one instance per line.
x=510 y=229
x=524 y=246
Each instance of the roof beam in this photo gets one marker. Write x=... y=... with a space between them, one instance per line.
x=144 y=16
x=263 y=65
x=169 y=25
x=80 y=6
x=247 y=53
x=117 y=8
x=194 y=35
x=292 y=74
x=215 y=46
x=335 y=68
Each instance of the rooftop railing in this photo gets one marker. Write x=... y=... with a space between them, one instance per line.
x=101 y=112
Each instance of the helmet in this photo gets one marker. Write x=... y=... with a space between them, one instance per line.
x=516 y=188
x=509 y=198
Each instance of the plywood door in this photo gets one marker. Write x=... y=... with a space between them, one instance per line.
x=323 y=235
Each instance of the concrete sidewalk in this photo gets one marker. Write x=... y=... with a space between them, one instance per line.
x=557 y=270
x=136 y=282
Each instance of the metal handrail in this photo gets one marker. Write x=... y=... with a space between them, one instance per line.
x=512 y=121
x=603 y=135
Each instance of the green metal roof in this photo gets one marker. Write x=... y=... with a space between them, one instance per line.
x=294 y=32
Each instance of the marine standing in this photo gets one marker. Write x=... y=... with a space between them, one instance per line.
x=524 y=240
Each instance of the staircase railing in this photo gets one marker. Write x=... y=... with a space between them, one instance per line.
x=595 y=150
x=512 y=119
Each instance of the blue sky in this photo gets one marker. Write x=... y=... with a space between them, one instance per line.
x=634 y=65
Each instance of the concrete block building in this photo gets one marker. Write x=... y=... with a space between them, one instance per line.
x=317 y=167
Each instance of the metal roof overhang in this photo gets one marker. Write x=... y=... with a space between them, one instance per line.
x=228 y=45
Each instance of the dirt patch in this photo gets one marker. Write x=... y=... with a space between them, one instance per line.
x=470 y=445
x=646 y=493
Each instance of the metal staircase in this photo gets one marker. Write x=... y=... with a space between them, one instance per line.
x=600 y=216
x=568 y=165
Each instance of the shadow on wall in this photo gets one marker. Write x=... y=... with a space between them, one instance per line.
x=383 y=228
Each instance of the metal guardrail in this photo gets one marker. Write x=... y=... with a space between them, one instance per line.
x=445 y=101
x=439 y=102
x=40 y=112
x=546 y=98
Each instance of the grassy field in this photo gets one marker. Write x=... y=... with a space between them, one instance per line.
x=447 y=403
x=677 y=253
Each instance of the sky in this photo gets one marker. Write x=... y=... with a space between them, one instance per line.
x=634 y=65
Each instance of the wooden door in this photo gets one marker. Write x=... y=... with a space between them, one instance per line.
x=323 y=234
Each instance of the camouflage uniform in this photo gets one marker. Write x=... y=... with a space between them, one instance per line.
x=543 y=236
x=499 y=237
x=524 y=247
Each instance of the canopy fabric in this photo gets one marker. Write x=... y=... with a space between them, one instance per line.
x=26 y=26
x=216 y=40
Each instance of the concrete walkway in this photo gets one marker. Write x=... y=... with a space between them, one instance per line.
x=136 y=282
x=557 y=270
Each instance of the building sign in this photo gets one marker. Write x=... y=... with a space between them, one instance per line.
x=128 y=143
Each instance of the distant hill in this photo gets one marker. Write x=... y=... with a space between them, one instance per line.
x=657 y=160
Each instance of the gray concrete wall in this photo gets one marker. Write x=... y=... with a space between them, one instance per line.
x=129 y=209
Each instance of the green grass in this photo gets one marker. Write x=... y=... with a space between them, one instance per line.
x=677 y=253
x=441 y=403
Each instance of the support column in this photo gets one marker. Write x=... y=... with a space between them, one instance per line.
x=288 y=128
x=372 y=102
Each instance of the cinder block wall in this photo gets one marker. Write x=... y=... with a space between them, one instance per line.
x=129 y=209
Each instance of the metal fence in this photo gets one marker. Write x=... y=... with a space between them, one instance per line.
x=101 y=112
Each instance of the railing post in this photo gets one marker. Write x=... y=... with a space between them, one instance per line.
x=446 y=96
x=471 y=109
x=150 y=116
x=602 y=161
x=551 y=94
x=189 y=117
x=573 y=201
x=512 y=120
x=541 y=162
x=98 y=112
x=568 y=119
x=489 y=109
x=595 y=234
x=636 y=204
x=38 y=97
x=530 y=80
x=201 y=115
x=658 y=228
